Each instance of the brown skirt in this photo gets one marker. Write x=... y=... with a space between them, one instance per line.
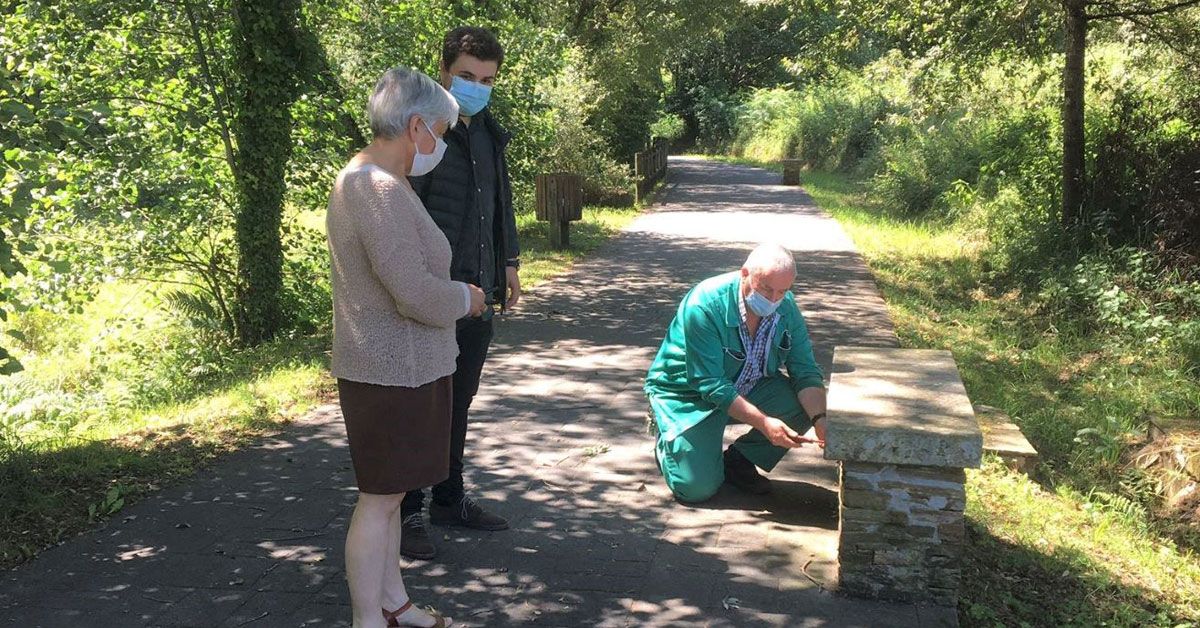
x=399 y=437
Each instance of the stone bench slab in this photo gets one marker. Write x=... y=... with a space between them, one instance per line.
x=1002 y=437
x=900 y=406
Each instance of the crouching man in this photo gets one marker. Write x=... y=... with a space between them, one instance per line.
x=737 y=350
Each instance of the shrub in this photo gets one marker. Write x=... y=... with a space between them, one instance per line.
x=576 y=146
x=829 y=126
x=669 y=126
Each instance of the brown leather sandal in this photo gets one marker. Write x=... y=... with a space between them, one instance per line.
x=393 y=621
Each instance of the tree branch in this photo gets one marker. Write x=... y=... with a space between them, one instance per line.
x=1144 y=11
x=1172 y=43
x=218 y=103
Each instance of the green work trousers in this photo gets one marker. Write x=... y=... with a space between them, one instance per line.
x=692 y=464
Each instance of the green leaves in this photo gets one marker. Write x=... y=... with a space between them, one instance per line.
x=113 y=501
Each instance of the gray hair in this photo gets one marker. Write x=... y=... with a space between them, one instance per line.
x=402 y=93
x=768 y=259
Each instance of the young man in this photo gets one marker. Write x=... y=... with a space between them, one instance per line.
x=469 y=196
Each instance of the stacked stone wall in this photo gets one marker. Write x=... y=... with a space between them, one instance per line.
x=901 y=531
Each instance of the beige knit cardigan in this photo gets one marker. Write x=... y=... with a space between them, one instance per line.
x=394 y=305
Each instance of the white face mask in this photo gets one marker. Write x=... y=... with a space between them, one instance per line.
x=425 y=163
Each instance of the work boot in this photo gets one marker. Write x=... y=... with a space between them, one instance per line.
x=742 y=473
x=414 y=538
x=466 y=513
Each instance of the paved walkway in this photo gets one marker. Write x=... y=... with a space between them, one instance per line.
x=558 y=445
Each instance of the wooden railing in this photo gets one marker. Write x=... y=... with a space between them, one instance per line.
x=649 y=167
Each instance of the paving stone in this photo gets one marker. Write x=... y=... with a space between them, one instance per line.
x=272 y=608
x=203 y=607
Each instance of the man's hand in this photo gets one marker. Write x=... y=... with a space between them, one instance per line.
x=780 y=434
x=478 y=301
x=514 y=286
x=819 y=428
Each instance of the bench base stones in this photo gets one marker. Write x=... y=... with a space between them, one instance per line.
x=901 y=532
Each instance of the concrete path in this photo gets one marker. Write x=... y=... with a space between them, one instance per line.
x=558 y=445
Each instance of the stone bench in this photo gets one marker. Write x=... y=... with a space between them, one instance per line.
x=1002 y=437
x=903 y=430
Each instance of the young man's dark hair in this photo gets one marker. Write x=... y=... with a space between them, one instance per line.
x=472 y=40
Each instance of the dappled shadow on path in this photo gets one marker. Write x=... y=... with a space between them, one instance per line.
x=557 y=445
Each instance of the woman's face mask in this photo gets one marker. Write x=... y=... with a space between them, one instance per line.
x=424 y=163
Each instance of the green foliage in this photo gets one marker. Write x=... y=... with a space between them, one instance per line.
x=668 y=126
x=748 y=48
x=827 y=126
x=576 y=147
x=113 y=501
x=1085 y=539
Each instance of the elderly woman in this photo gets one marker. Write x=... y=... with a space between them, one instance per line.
x=394 y=311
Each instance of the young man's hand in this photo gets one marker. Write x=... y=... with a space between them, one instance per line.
x=478 y=302
x=513 y=280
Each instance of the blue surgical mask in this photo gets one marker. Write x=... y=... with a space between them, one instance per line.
x=761 y=305
x=472 y=97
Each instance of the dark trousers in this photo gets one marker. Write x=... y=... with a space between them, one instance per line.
x=474 y=338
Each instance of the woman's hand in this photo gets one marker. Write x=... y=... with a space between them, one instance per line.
x=478 y=301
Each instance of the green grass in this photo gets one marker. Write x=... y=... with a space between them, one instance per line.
x=124 y=398
x=60 y=479
x=1074 y=549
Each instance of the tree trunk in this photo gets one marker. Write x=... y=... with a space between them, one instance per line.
x=267 y=48
x=1076 y=23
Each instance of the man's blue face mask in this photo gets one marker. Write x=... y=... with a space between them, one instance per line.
x=761 y=305
x=472 y=97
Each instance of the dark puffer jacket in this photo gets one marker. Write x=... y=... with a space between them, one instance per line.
x=448 y=193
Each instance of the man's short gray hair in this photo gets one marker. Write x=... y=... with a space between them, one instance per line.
x=770 y=258
x=402 y=93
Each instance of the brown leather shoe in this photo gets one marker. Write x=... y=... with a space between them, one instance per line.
x=414 y=538
x=466 y=513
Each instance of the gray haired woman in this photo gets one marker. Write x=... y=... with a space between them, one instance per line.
x=394 y=312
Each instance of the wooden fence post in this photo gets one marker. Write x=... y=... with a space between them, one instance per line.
x=639 y=177
x=649 y=167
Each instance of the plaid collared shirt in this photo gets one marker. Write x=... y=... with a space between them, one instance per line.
x=756 y=349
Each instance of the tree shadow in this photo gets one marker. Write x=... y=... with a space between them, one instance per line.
x=792 y=502
x=1012 y=585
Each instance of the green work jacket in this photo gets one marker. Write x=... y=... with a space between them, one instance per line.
x=694 y=373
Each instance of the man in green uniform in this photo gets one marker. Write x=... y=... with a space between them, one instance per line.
x=737 y=350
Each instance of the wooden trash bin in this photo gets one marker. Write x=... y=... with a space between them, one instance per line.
x=791 y=172
x=559 y=202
